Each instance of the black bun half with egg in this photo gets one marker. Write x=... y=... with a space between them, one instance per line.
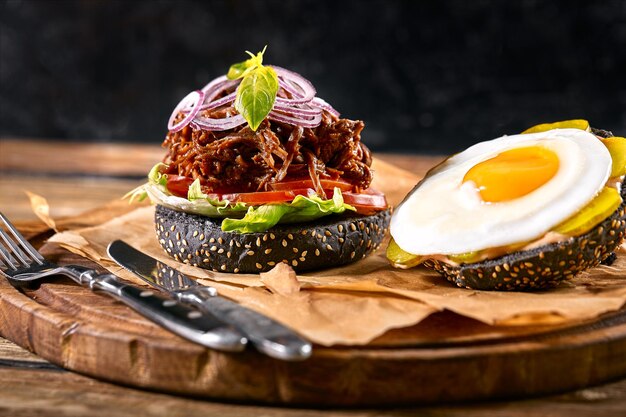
x=561 y=244
x=245 y=186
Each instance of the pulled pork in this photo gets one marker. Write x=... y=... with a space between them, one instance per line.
x=240 y=160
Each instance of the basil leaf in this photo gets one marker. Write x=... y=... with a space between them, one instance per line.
x=239 y=69
x=256 y=95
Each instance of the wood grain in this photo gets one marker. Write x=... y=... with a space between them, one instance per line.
x=92 y=334
x=35 y=392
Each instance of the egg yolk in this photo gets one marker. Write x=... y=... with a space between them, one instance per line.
x=513 y=173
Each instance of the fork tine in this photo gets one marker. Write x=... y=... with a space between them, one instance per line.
x=7 y=258
x=25 y=244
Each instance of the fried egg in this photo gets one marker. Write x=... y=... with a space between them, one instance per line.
x=505 y=191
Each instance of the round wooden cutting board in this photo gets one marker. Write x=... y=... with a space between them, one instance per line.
x=443 y=359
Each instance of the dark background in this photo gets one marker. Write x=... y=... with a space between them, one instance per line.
x=427 y=76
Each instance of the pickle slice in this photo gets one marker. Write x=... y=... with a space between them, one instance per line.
x=565 y=124
x=601 y=207
x=617 y=148
x=400 y=258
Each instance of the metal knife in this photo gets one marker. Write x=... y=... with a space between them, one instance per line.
x=267 y=335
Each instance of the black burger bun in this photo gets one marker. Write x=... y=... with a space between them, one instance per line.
x=327 y=242
x=545 y=266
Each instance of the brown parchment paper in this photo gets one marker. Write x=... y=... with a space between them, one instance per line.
x=354 y=304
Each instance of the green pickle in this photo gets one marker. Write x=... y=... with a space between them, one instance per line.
x=400 y=258
x=565 y=124
x=617 y=148
x=601 y=207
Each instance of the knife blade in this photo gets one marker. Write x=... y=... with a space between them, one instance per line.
x=267 y=335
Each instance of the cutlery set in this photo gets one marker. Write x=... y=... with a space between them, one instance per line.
x=181 y=305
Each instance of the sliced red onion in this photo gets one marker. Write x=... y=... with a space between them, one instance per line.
x=322 y=104
x=191 y=101
x=218 y=103
x=307 y=111
x=215 y=87
x=302 y=109
x=308 y=91
x=219 y=124
x=298 y=121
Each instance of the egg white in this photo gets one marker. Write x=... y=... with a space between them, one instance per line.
x=444 y=216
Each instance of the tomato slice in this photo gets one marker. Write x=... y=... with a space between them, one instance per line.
x=178 y=185
x=367 y=202
x=300 y=184
x=266 y=197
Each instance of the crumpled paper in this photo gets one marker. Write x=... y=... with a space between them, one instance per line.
x=354 y=304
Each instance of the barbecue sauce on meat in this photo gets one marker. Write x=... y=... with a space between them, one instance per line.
x=240 y=160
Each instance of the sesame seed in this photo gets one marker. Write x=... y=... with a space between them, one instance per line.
x=284 y=243
x=327 y=233
x=182 y=250
x=197 y=253
x=201 y=237
x=341 y=240
x=238 y=244
x=294 y=263
x=259 y=266
x=220 y=250
x=185 y=242
x=265 y=238
x=250 y=252
x=302 y=259
x=228 y=254
x=189 y=256
x=361 y=225
x=177 y=235
x=340 y=228
x=162 y=241
x=167 y=234
x=258 y=241
x=367 y=230
x=304 y=252
x=173 y=228
x=295 y=250
x=290 y=236
x=271 y=263
x=317 y=252
x=212 y=240
x=223 y=267
x=272 y=236
x=170 y=243
x=268 y=251
x=353 y=227
x=236 y=270
x=195 y=233
x=232 y=242
x=220 y=240
x=323 y=238
x=312 y=233
x=206 y=260
x=352 y=254
x=213 y=248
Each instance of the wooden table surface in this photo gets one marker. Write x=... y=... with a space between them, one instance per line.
x=75 y=177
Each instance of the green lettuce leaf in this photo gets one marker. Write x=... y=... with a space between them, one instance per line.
x=301 y=209
x=238 y=217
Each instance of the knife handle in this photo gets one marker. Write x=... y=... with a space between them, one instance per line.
x=266 y=334
x=167 y=312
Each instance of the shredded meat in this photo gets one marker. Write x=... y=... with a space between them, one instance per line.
x=240 y=160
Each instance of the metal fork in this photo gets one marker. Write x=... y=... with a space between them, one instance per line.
x=22 y=264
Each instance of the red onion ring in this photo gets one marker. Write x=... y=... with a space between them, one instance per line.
x=302 y=109
x=322 y=104
x=192 y=101
x=283 y=118
x=219 y=124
